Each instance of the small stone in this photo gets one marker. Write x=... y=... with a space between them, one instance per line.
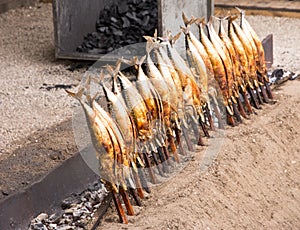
x=39 y=226
x=77 y=214
x=53 y=226
x=69 y=211
x=42 y=217
x=89 y=206
x=68 y=202
x=253 y=140
x=54 y=218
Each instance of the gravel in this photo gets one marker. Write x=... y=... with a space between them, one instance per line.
x=26 y=63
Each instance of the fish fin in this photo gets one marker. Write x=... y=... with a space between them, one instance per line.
x=77 y=95
x=150 y=44
x=185 y=30
x=172 y=39
x=200 y=21
x=185 y=19
x=231 y=18
x=240 y=10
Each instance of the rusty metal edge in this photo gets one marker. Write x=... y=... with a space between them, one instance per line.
x=46 y=194
x=267 y=43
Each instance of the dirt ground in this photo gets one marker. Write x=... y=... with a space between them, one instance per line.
x=253 y=183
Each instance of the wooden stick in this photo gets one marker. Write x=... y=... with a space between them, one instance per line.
x=126 y=200
x=119 y=208
x=149 y=168
x=162 y=158
x=138 y=184
x=135 y=196
x=142 y=177
x=210 y=120
x=260 y=100
x=255 y=103
x=158 y=165
x=236 y=112
x=206 y=133
x=200 y=141
x=219 y=116
x=187 y=139
x=173 y=148
x=247 y=103
x=241 y=108
x=230 y=120
x=264 y=94
x=167 y=154
x=269 y=91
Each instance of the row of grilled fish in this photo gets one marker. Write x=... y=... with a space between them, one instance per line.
x=146 y=116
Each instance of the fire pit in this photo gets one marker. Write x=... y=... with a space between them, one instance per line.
x=84 y=30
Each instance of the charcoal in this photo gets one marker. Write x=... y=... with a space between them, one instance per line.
x=126 y=22
x=121 y=24
x=123 y=7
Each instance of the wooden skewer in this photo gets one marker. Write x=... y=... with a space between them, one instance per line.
x=210 y=120
x=260 y=100
x=264 y=94
x=269 y=91
x=206 y=133
x=255 y=103
x=120 y=210
x=241 y=108
x=127 y=203
x=236 y=113
x=138 y=184
x=165 y=167
x=230 y=120
x=218 y=115
x=158 y=165
x=187 y=139
x=149 y=168
x=143 y=180
x=173 y=148
x=247 y=103
x=166 y=153
x=135 y=196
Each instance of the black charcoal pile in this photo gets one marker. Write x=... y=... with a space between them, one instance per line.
x=76 y=211
x=122 y=24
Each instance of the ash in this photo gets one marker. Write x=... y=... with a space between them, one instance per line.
x=76 y=211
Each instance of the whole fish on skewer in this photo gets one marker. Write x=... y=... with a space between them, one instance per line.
x=219 y=70
x=209 y=85
x=244 y=63
x=152 y=100
x=194 y=101
x=261 y=64
x=239 y=84
x=228 y=64
x=251 y=58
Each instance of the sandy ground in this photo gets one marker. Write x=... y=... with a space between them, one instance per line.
x=254 y=182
